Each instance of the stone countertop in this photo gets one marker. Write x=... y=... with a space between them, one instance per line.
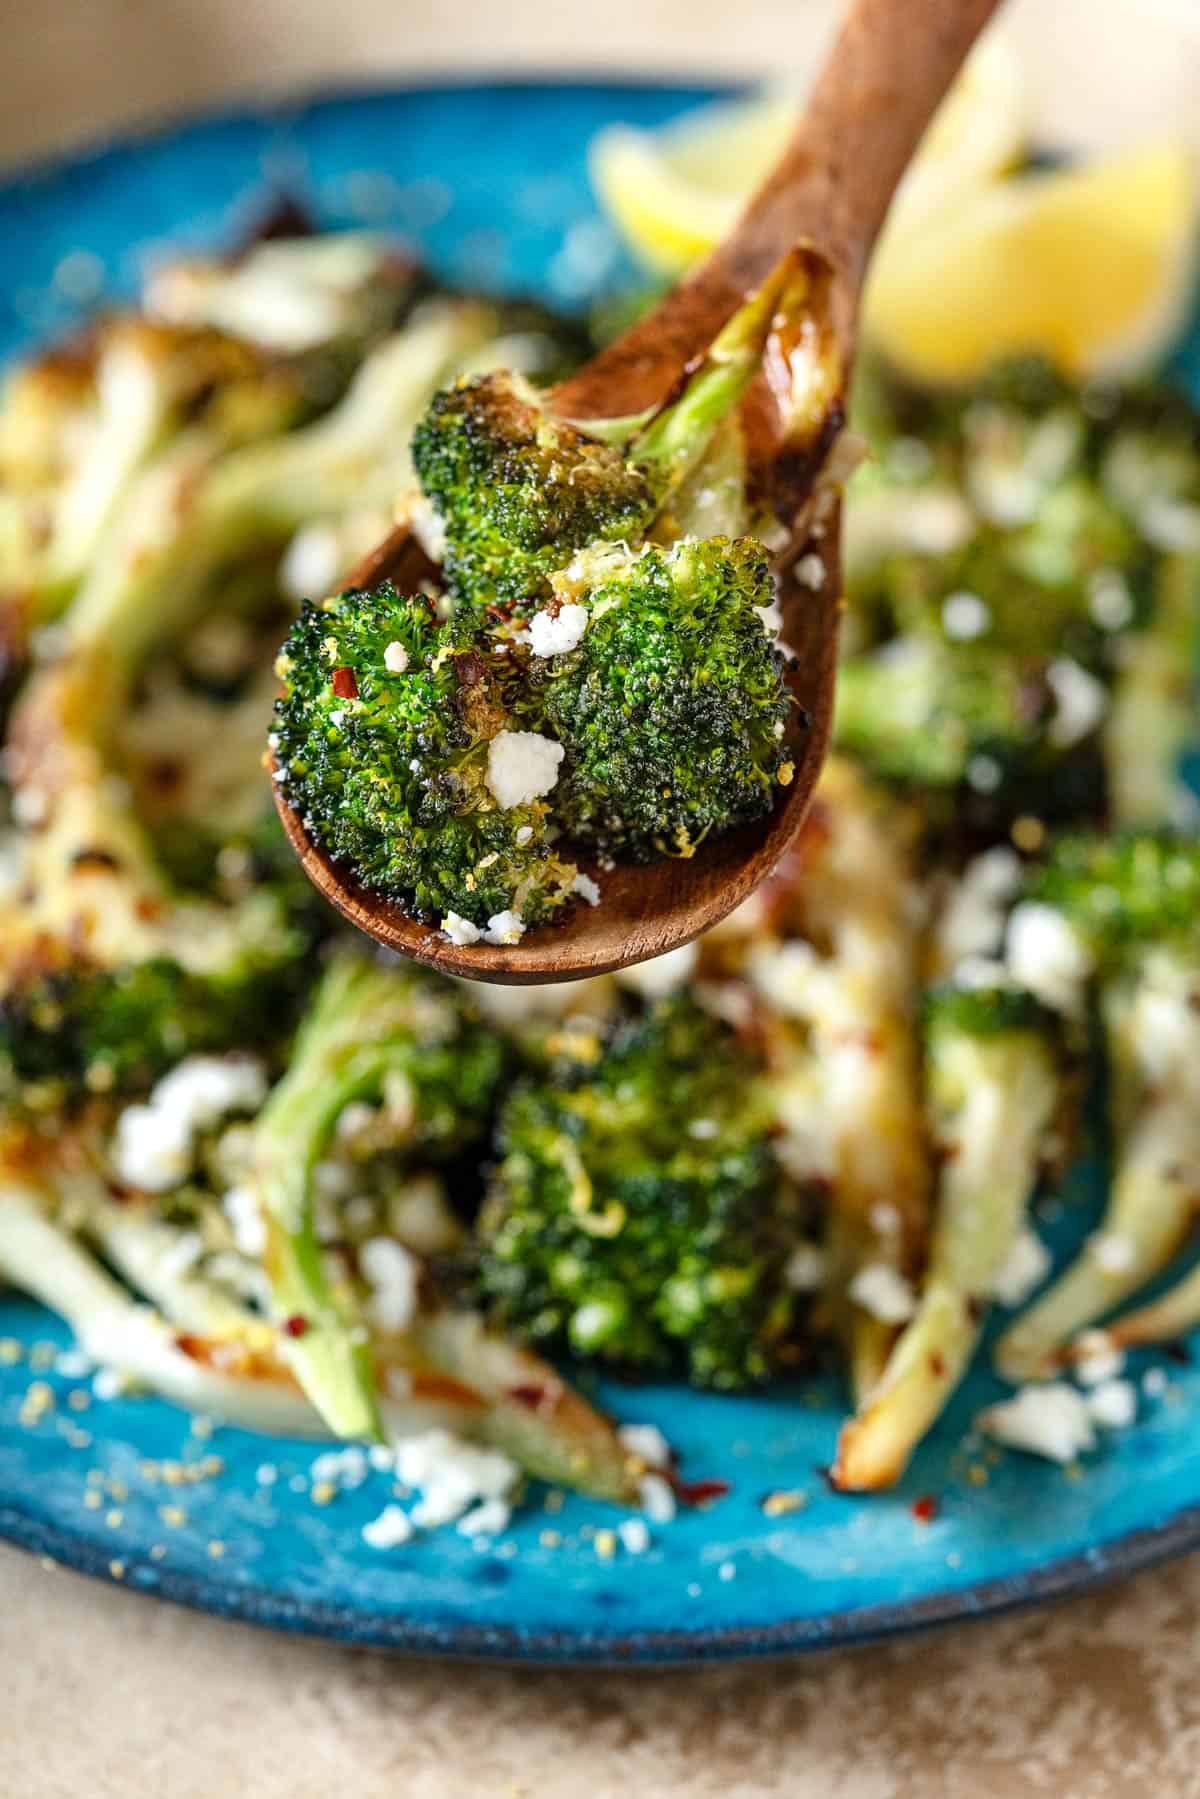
x=112 y=1696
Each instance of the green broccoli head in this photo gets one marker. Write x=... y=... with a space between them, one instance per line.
x=673 y=707
x=519 y=492
x=636 y=1214
x=69 y=1029
x=922 y=712
x=990 y=1012
x=1125 y=891
x=384 y=741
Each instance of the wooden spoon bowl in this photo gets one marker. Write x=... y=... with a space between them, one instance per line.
x=891 y=65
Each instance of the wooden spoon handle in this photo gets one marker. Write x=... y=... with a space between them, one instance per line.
x=889 y=68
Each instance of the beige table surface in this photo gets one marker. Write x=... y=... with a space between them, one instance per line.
x=104 y=1695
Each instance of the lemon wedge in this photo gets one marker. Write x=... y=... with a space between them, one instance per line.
x=1093 y=266
x=675 y=193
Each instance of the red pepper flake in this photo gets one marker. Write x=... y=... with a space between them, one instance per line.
x=296 y=1325
x=698 y=1492
x=925 y=1509
x=532 y=1396
x=345 y=686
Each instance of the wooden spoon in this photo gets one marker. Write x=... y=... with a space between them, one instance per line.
x=890 y=66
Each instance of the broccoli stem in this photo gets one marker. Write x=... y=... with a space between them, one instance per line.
x=1152 y=715
x=992 y=1144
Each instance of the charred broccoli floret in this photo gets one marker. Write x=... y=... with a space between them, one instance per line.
x=390 y=740
x=672 y=708
x=1124 y=891
x=518 y=492
x=636 y=1214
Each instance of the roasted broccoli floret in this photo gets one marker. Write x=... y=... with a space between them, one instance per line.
x=373 y=1033
x=1121 y=892
x=672 y=708
x=921 y=712
x=636 y=1215
x=390 y=740
x=993 y=1088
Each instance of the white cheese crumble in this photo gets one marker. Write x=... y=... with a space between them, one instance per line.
x=972 y=921
x=634 y=1535
x=647 y=1443
x=522 y=766
x=658 y=1500
x=389 y=1530
x=1023 y=1269
x=393 y=1275
x=884 y=1292
x=554 y=633
x=1050 y=1420
x=804 y=1270
x=346 y=1467
x=1080 y=702
x=310 y=563
x=1113 y=1404
x=965 y=616
x=1097 y=1358
x=460 y=930
x=586 y=888
x=1046 y=955
x=155 y=1142
x=505 y=927
x=452 y=1476
x=1112 y=1253
x=810 y=572
x=395 y=658
x=661 y=975
x=487 y=1519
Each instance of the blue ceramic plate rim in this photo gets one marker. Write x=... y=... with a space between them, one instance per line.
x=1073 y=1574
x=1127 y=1552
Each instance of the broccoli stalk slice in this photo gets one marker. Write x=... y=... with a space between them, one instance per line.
x=367 y=1023
x=993 y=1091
x=1163 y=1320
x=1156 y=1177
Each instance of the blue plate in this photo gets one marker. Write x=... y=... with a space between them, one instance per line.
x=491 y=182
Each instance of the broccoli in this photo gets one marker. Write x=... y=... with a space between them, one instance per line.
x=672 y=709
x=993 y=1088
x=383 y=742
x=636 y=1215
x=1151 y=722
x=371 y=1033
x=1131 y=904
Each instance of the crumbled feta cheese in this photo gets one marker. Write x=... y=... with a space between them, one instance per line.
x=1096 y=1358
x=804 y=1270
x=460 y=930
x=661 y=975
x=647 y=1443
x=395 y=658
x=1171 y=524
x=772 y=618
x=73 y=1364
x=555 y=633
x=1110 y=601
x=965 y=616
x=241 y=1207
x=524 y=835
x=310 y=563
x=1112 y=1253
x=346 y=1467
x=884 y=1292
x=1080 y=702
x=393 y=1275
x=658 y=1500
x=451 y=1475
x=703 y=1129
x=635 y=1538
x=522 y=766
x=389 y=1530
x=810 y=571
x=487 y=1519
x=28 y=806
x=984 y=773
x=1154 y=1383
x=1051 y=1420
x=972 y=922
x=155 y=1142
x=1046 y=955
x=1113 y=1404
x=1024 y=1267
x=884 y=1218
x=505 y=927
x=586 y=888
